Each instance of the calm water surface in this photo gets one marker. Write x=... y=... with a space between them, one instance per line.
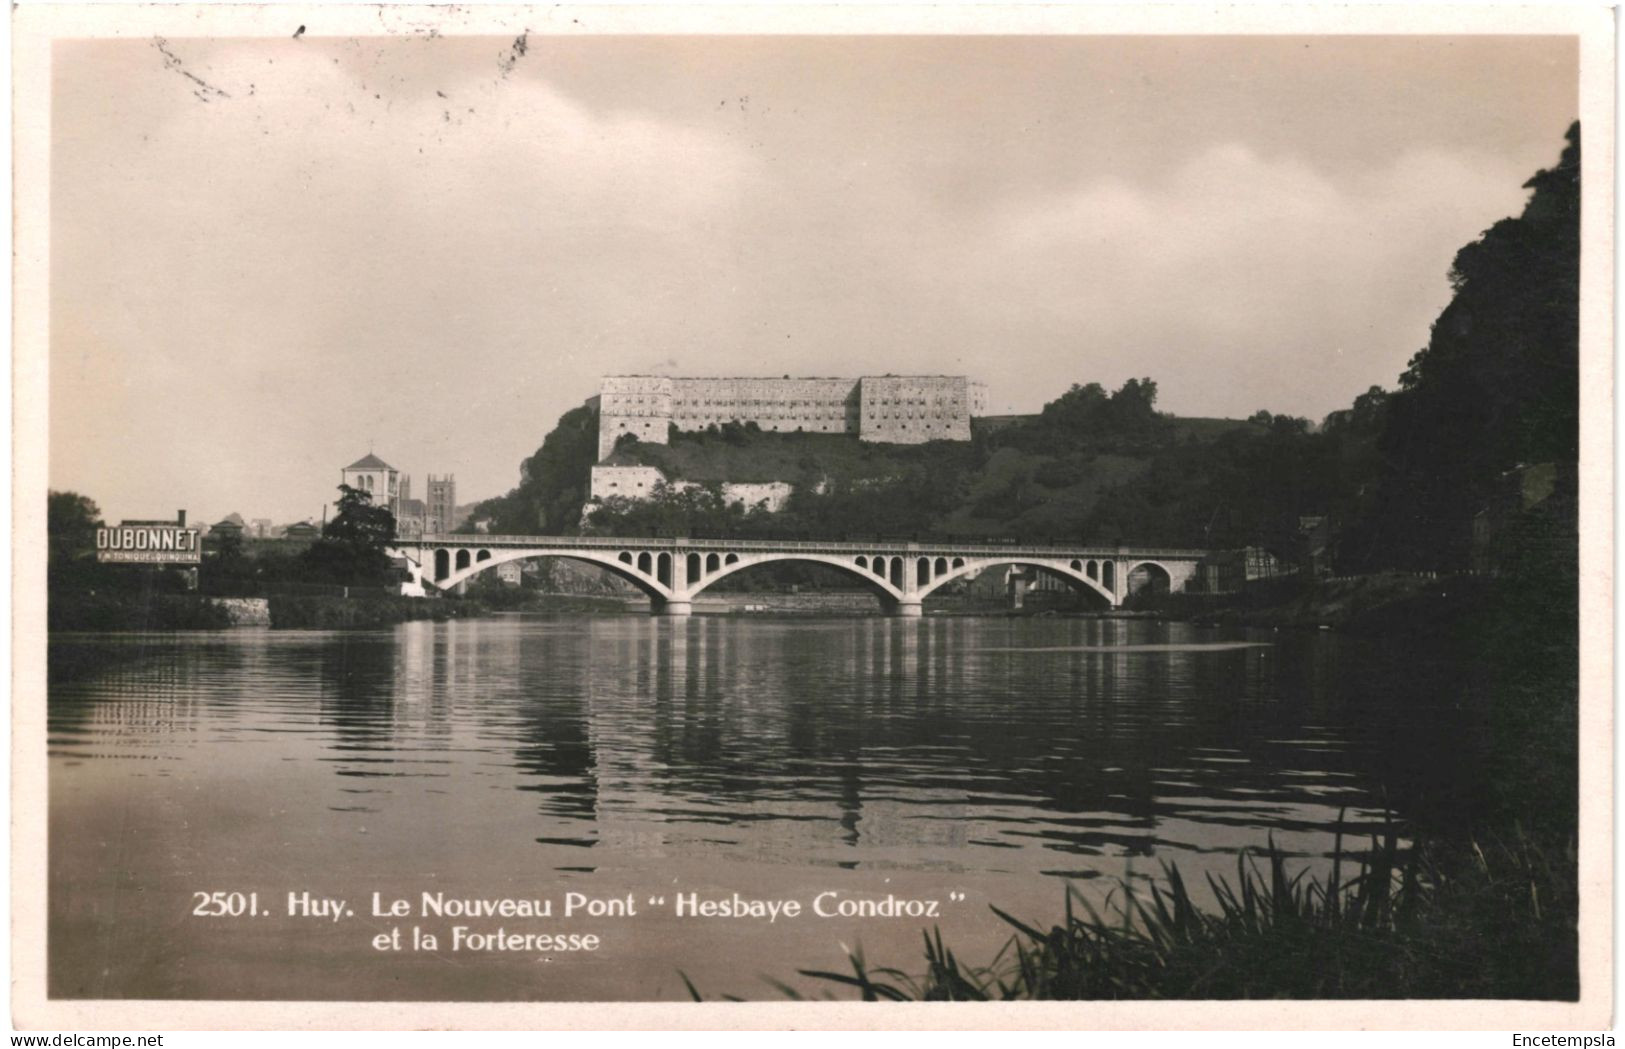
x=969 y=761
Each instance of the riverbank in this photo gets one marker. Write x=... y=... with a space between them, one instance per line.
x=1389 y=603
x=365 y=613
x=135 y=612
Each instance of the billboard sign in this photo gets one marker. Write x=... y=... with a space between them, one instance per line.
x=152 y=544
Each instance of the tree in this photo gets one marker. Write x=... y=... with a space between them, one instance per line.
x=359 y=523
x=1496 y=387
x=351 y=550
x=71 y=521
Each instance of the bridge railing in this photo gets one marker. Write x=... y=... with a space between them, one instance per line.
x=886 y=547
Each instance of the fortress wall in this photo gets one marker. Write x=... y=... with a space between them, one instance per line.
x=638 y=482
x=977 y=392
x=913 y=409
x=630 y=482
x=907 y=409
x=635 y=404
x=775 y=494
x=782 y=405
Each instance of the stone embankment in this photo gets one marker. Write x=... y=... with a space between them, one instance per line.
x=244 y=611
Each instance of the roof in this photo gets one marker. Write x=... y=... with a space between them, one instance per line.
x=371 y=462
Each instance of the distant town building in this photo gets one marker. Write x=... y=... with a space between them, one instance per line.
x=231 y=527
x=302 y=531
x=1226 y=571
x=410 y=519
x=441 y=505
x=896 y=409
x=377 y=478
x=261 y=528
x=392 y=490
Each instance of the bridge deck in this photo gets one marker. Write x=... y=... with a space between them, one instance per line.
x=558 y=542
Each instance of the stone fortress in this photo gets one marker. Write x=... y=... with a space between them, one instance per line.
x=891 y=409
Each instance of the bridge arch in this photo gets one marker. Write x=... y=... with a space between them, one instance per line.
x=619 y=564
x=975 y=566
x=872 y=579
x=1159 y=570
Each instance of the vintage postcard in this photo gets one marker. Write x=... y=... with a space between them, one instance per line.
x=909 y=517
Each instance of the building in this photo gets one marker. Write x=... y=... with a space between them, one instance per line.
x=392 y=490
x=895 y=409
x=409 y=522
x=377 y=478
x=1227 y=571
x=302 y=531
x=232 y=527
x=441 y=505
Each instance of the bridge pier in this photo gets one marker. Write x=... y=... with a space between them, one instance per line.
x=674 y=608
x=908 y=609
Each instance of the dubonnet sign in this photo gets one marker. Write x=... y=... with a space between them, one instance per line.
x=165 y=544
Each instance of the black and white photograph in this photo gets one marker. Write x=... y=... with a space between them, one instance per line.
x=556 y=506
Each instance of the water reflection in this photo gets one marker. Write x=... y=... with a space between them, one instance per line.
x=1032 y=748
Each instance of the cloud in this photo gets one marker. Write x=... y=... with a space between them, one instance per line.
x=394 y=242
x=326 y=252
x=1235 y=274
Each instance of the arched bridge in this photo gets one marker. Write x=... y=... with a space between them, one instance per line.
x=672 y=572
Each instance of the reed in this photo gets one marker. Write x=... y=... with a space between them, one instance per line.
x=1492 y=919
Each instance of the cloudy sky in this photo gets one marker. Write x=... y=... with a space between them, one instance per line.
x=269 y=256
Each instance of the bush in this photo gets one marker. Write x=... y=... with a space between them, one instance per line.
x=1060 y=473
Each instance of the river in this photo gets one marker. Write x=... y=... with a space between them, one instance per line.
x=916 y=771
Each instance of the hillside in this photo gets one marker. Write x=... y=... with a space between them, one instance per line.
x=992 y=491
x=1036 y=477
